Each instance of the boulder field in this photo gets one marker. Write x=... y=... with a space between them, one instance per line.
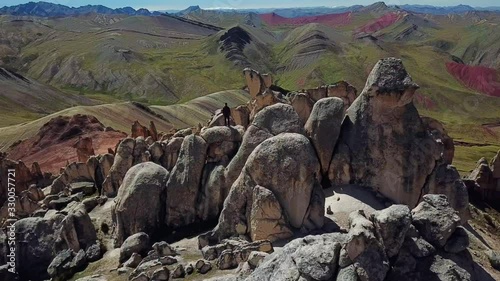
x=254 y=195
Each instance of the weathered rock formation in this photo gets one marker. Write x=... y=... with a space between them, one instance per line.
x=389 y=245
x=385 y=145
x=486 y=179
x=323 y=128
x=142 y=189
x=84 y=149
x=44 y=237
x=129 y=152
x=23 y=178
x=263 y=182
x=138 y=130
x=341 y=89
x=278 y=176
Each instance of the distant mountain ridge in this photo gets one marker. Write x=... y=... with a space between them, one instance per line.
x=314 y=11
x=45 y=9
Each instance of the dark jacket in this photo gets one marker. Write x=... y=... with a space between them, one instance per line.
x=226 y=111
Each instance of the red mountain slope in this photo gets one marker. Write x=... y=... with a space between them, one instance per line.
x=482 y=79
x=381 y=23
x=330 y=19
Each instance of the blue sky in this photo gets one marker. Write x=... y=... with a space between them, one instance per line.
x=243 y=4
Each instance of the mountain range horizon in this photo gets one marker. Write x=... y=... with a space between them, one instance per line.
x=435 y=9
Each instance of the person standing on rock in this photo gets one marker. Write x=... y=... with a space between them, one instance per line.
x=226 y=111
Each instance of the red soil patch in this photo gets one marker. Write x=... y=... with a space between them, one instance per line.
x=424 y=101
x=53 y=146
x=479 y=78
x=380 y=23
x=330 y=19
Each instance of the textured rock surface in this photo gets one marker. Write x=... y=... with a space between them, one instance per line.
x=123 y=161
x=38 y=251
x=66 y=264
x=309 y=258
x=392 y=224
x=184 y=182
x=323 y=128
x=364 y=249
x=435 y=219
x=140 y=204
x=271 y=121
x=137 y=243
x=383 y=143
x=286 y=165
x=267 y=219
x=446 y=180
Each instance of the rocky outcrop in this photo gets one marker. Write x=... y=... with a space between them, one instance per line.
x=137 y=243
x=283 y=169
x=323 y=128
x=344 y=91
x=140 y=203
x=44 y=237
x=77 y=231
x=23 y=177
x=171 y=152
x=341 y=89
x=241 y=115
x=267 y=219
x=254 y=81
x=271 y=121
x=261 y=91
x=74 y=172
x=66 y=264
x=230 y=253
x=302 y=104
x=389 y=245
x=445 y=179
x=184 y=182
x=435 y=219
x=439 y=133
x=129 y=153
x=312 y=258
x=138 y=130
x=84 y=149
x=385 y=145
x=486 y=178
x=40 y=236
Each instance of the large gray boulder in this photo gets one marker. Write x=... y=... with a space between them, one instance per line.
x=271 y=121
x=267 y=219
x=66 y=264
x=383 y=142
x=309 y=258
x=435 y=219
x=323 y=128
x=140 y=204
x=184 y=182
x=123 y=161
x=138 y=243
x=364 y=249
x=39 y=236
x=286 y=166
x=392 y=224
x=445 y=179
x=171 y=152
x=77 y=230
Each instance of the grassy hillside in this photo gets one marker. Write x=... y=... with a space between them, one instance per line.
x=163 y=61
x=120 y=116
